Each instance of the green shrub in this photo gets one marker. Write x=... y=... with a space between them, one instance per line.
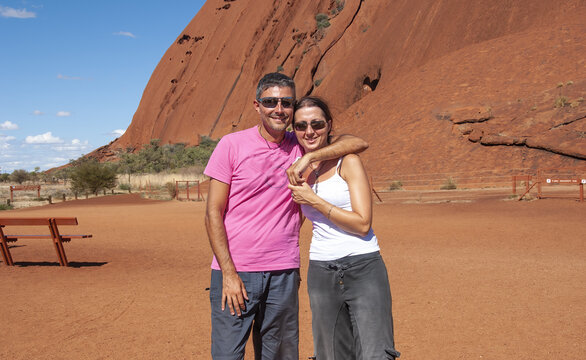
x=154 y=158
x=19 y=176
x=171 y=189
x=321 y=17
x=339 y=7
x=89 y=175
x=561 y=101
x=62 y=174
x=6 y=207
x=317 y=82
x=125 y=187
x=322 y=20
x=576 y=102
x=449 y=184
x=280 y=68
x=396 y=185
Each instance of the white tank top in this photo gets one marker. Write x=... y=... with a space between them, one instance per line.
x=329 y=242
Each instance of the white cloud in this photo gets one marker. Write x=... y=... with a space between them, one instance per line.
x=38 y=112
x=10 y=166
x=46 y=138
x=118 y=132
x=67 y=77
x=6 y=138
x=45 y=151
x=5 y=145
x=7 y=125
x=63 y=113
x=125 y=33
x=4 y=142
x=75 y=145
x=54 y=162
x=9 y=12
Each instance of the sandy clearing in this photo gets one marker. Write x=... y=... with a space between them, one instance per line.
x=488 y=279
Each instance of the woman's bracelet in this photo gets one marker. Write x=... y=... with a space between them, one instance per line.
x=330 y=212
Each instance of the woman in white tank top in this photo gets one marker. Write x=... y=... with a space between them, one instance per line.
x=347 y=279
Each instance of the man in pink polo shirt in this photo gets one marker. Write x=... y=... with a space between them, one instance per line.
x=253 y=228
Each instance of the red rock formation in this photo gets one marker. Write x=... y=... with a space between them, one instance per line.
x=434 y=86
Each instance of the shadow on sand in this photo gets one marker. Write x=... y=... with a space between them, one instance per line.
x=72 y=264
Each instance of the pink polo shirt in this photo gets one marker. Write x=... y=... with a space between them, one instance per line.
x=262 y=222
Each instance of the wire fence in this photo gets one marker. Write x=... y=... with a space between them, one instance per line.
x=480 y=179
x=191 y=190
x=512 y=183
x=467 y=186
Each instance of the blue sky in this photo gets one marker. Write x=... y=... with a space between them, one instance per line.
x=72 y=72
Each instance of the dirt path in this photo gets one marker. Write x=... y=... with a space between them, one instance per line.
x=489 y=279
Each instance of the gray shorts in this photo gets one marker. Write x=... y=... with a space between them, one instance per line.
x=272 y=313
x=351 y=308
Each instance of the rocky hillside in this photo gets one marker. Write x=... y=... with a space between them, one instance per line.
x=443 y=86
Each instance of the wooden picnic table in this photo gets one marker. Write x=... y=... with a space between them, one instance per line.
x=53 y=234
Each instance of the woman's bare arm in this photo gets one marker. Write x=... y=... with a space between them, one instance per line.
x=359 y=220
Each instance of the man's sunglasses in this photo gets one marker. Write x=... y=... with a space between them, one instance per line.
x=271 y=102
x=315 y=125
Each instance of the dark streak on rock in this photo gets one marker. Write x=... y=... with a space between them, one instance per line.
x=226 y=101
x=568 y=122
x=314 y=69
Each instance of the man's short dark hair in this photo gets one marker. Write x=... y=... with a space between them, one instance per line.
x=274 y=79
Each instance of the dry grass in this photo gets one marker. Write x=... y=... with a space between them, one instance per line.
x=151 y=185
x=159 y=180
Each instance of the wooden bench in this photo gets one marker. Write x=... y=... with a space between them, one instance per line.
x=54 y=234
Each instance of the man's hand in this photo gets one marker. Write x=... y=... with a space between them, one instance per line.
x=340 y=146
x=296 y=170
x=233 y=290
x=233 y=293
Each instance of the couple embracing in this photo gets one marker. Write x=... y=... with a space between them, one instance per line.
x=264 y=182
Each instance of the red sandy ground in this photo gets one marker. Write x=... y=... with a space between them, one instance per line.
x=490 y=279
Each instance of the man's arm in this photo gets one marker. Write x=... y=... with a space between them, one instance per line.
x=233 y=290
x=340 y=146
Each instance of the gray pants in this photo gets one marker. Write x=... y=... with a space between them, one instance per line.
x=351 y=308
x=272 y=313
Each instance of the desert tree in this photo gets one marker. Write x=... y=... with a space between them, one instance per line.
x=19 y=176
x=89 y=175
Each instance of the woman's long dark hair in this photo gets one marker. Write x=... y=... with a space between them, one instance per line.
x=314 y=101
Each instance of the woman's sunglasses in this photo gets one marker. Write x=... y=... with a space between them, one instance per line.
x=271 y=102
x=315 y=125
